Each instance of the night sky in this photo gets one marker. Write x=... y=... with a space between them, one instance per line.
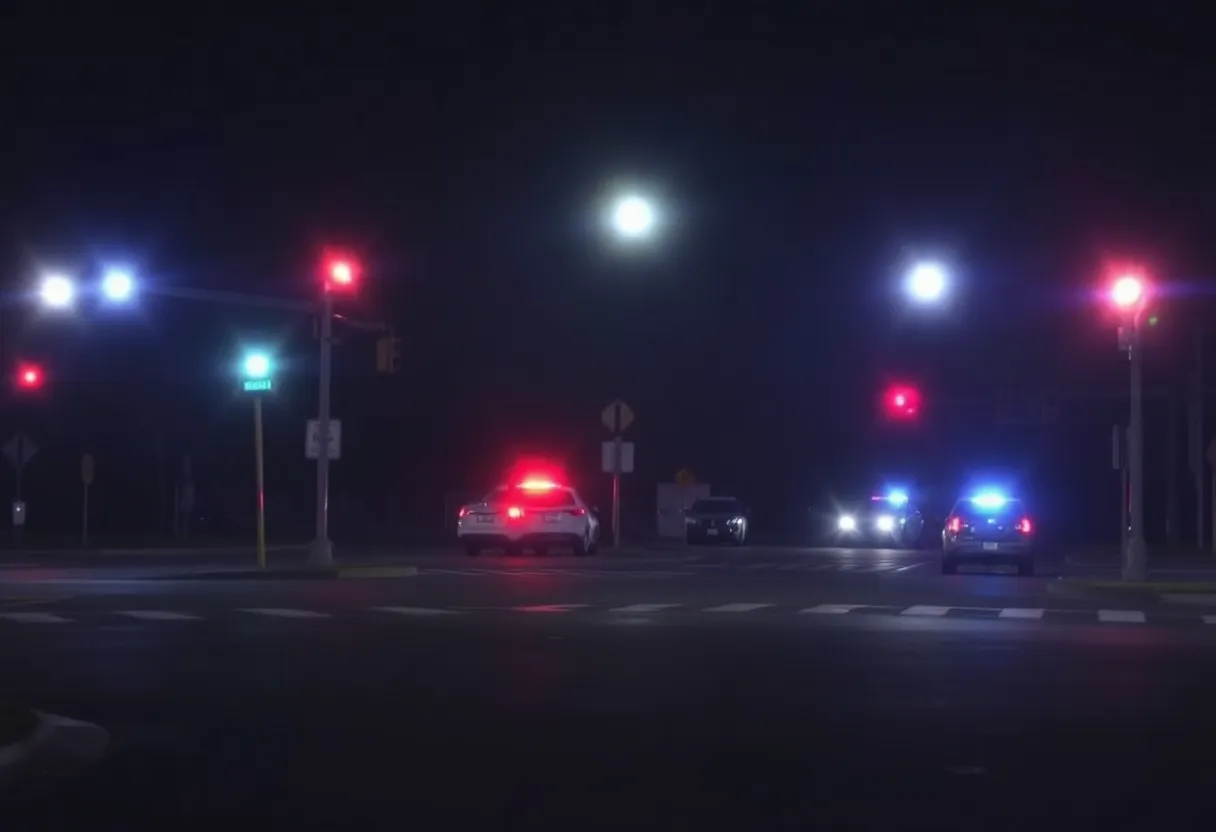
x=800 y=163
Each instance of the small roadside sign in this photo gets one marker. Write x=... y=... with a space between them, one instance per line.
x=86 y=469
x=609 y=461
x=20 y=449
x=617 y=416
x=312 y=439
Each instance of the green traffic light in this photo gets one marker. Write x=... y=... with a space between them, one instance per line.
x=257 y=365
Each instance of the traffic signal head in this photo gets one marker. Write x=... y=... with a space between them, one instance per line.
x=30 y=377
x=340 y=272
x=256 y=371
x=902 y=401
x=1128 y=292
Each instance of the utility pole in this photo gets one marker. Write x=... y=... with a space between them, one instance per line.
x=321 y=553
x=1171 y=464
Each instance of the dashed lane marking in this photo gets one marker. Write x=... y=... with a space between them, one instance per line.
x=550 y=608
x=159 y=615
x=279 y=612
x=418 y=611
x=926 y=610
x=832 y=609
x=1016 y=612
x=738 y=608
x=635 y=608
x=35 y=618
x=1121 y=616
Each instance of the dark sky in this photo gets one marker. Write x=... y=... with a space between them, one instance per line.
x=801 y=159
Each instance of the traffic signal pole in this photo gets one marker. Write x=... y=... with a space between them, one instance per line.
x=321 y=553
x=1135 y=559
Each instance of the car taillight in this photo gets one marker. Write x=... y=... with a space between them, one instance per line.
x=464 y=511
x=1024 y=525
x=955 y=524
x=515 y=512
x=577 y=512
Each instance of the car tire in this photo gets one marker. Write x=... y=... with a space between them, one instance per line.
x=740 y=538
x=472 y=550
x=512 y=551
x=688 y=541
x=541 y=551
x=949 y=566
x=581 y=547
x=1026 y=568
x=593 y=545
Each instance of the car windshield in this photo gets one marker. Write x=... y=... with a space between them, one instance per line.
x=720 y=505
x=970 y=512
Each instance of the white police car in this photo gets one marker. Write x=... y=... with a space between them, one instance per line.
x=537 y=514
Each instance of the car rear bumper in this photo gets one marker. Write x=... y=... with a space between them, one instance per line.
x=493 y=539
x=973 y=551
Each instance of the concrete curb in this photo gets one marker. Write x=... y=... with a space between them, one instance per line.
x=57 y=747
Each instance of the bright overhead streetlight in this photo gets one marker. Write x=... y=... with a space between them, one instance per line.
x=57 y=291
x=927 y=282
x=633 y=217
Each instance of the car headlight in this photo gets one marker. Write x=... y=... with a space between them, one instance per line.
x=885 y=523
x=734 y=521
x=847 y=523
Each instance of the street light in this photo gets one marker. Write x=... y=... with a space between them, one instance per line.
x=57 y=291
x=1129 y=294
x=633 y=217
x=927 y=282
x=117 y=285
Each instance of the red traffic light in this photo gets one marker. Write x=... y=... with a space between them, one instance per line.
x=340 y=272
x=902 y=401
x=29 y=376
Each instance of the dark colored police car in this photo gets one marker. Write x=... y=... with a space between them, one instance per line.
x=988 y=528
x=885 y=520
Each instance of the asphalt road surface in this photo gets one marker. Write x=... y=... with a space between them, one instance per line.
x=756 y=688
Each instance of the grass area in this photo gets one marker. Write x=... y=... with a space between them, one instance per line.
x=17 y=723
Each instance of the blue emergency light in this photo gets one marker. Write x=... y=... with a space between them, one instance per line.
x=989 y=500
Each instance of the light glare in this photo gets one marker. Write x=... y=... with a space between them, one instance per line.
x=57 y=292
x=927 y=282
x=1127 y=291
x=257 y=365
x=633 y=217
x=117 y=285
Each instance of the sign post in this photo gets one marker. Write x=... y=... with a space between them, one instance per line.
x=1212 y=463
x=257 y=383
x=86 y=479
x=617 y=457
x=20 y=449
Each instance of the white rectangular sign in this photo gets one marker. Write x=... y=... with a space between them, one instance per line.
x=608 y=457
x=312 y=439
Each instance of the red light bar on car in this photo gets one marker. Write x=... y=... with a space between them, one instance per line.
x=538 y=485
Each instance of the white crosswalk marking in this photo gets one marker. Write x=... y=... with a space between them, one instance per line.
x=419 y=611
x=1017 y=612
x=1121 y=616
x=822 y=567
x=280 y=612
x=159 y=615
x=832 y=609
x=636 y=608
x=1209 y=619
x=757 y=566
x=924 y=610
x=35 y=618
x=737 y=608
